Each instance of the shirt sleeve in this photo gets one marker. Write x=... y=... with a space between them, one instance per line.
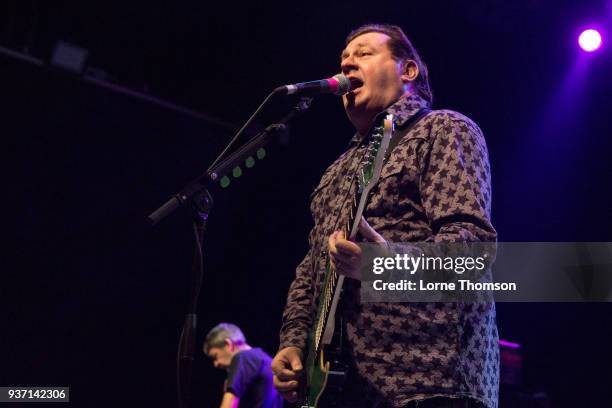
x=456 y=182
x=297 y=316
x=241 y=373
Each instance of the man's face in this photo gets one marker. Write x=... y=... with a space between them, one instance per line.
x=367 y=61
x=221 y=356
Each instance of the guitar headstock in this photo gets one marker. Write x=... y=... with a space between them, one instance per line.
x=375 y=154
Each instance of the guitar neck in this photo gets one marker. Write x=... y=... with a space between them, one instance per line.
x=367 y=177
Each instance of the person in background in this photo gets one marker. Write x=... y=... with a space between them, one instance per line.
x=249 y=377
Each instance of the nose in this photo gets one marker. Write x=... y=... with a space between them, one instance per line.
x=348 y=64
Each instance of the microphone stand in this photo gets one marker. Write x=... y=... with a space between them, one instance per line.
x=196 y=195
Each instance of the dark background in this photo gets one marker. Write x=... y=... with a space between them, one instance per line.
x=94 y=297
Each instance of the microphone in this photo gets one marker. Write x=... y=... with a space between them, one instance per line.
x=337 y=85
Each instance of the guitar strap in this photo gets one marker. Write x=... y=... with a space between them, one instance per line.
x=403 y=131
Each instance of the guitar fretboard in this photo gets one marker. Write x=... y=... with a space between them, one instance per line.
x=330 y=285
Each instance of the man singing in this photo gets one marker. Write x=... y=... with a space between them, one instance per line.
x=434 y=187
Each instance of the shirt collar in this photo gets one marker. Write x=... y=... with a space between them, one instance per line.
x=402 y=110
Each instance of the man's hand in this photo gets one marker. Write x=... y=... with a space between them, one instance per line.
x=287 y=368
x=345 y=256
x=229 y=400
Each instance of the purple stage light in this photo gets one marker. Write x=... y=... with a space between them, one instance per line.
x=509 y=344
x=589 y=40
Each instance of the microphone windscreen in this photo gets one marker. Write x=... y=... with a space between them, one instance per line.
x=342 y=86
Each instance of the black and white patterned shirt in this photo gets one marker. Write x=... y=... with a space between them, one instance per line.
x=434 y=187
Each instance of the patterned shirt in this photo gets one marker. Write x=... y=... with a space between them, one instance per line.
x=434 y=187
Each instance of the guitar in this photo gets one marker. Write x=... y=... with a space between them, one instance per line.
x=324 y=369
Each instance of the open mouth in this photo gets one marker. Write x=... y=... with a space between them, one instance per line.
x=356 y=83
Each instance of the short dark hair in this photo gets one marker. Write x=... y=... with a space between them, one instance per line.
x=401 y=49
x=217 y=335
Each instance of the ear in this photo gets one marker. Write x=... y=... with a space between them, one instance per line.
x=410 y=71
x=229 y=344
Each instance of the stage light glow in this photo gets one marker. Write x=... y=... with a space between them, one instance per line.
x=589 y=40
